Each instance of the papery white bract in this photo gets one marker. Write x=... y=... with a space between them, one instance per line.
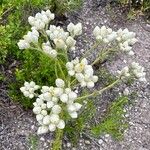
x=75 y=30
x=29 y=88
x=82 y=72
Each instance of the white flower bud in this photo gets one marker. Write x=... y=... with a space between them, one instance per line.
x=71 y=72
x=60 y=44
x=22 y=44
x=37 y=110
x=56 y=109
x=70 y=42
x=60 y=83
x=94 y=78
x=72 y=96
x=42 y=130
x=54 y=118
x=50 y=104
x=77 y=106
x=46 y=120
x=44 y=112
x=61 y=124
x=90 y=84
x=64 y=98
x=39 y=117
x=96 y=31
x=73 y=114
x=52 y=127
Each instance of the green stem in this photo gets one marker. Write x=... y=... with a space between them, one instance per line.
x=98 y=92
x=56 y=69
x=61 y=69
x=57 y=143
x=92 y=48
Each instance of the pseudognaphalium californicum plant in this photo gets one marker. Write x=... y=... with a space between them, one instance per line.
x=53 y=102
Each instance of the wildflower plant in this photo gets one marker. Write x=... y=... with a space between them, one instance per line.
x=56 y=105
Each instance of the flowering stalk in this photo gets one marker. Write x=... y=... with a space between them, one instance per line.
x=53 y=102
x=98 y=92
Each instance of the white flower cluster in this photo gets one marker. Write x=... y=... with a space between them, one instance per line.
x=62 y=39
x=31 y=37
x=50 y=103
x=75 y=30
x=56 y=37
x=104 y=34
x=82 y=72
x=49 y=50
x=41 y=19
x=29 y=88
x=125 y=38
x=135 y=69
x=138 y=71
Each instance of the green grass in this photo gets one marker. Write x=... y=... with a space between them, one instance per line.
x=33 y=142
x=114 y=122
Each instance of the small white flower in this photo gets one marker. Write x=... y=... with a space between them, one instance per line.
x=56 y=109
x=60 y=44
x=29 y=88
x=42 y=130
x=64 y=98
x=37 y=110
x=46 y=120
x=54 y=118
x=70 y=42
x=44 y=112
x=22 y=44
x=75 y=30
x=60 y=83
x=39 y=117
x=50 y=104
x=52 y=127
x=61 y=124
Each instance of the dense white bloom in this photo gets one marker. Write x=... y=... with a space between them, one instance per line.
x=31 y=37
x=60 y=83
x=42 y=129
x=49 y=50
x=29 y=88
x=75 y=30
x=41 y=19
x=73 y=108
x=124 y=72
x=60 y=44
x=104 y=34
x=82 y=72
x=138 y=71
x=22 y=44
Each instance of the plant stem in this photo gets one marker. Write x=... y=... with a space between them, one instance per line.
x=61 y=69
x=98 y=92
x=92 y=48
x=57 y=143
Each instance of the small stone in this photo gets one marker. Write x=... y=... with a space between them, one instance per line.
x=68 y=144
x=42 y=139
x=107 y=135
x=87 y=142
x=100 y=141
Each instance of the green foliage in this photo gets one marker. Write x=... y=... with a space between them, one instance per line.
x=114 y=122
x=4 y=42
x=35 y=67
x=33 y=142
x=62 y=6
x=75 y=127
x=105 y=77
